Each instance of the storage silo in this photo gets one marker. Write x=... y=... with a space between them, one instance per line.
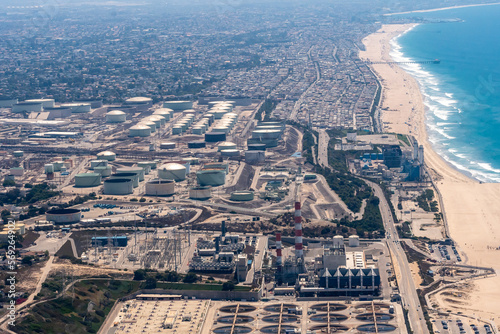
x=46 y=103
x=98 y=163
x=106 y=155
x=58 y=165
x=136 y=170
x=230 y=153
x=84 y=180
x=131 y=176
x=266 y=134
x=172 y=171
x=118 y=187
x=353 y=241
x=200 y=193
x=242 y=195
x=213 y=137
x=151 y=125
x=167 y=146
x=116 y=116
x=77 y=108
x=211 y=177
x=159 y=187
x=227 y=145
x=139 y=130
x=63 y=216
x=255 y=157
x=49 y=168
x=178 y=105
x=338 y=241
x=197 y=144
x=105 y=171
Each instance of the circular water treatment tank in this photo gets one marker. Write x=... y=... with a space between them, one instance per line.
x=178 y=105
x=380 y=328
x=275 y=328
x=84 y=180
x=333 y=307
x=63 y=216
x=159 y=187
x=244 y=308
x=285 y=318
x=200 y=193
x=197 y=144
x=172 y=171
x=334 y=328
x=118 y=187
x=379 y=315
x=368 y=306
x=105 y=171
x=324 y=317
x=229 y=329
x=240 y=319
x=106 y=155
x=242 y=195
x=167 y=146
x=277 y=307
x=116 y=116
x=130 y=176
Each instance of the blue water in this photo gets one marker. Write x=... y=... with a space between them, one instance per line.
x=462 y=93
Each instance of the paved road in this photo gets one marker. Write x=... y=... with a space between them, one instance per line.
x=323 y=148
x=400 y=262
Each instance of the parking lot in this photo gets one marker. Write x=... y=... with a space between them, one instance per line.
x=460 y=327
x=445 y=253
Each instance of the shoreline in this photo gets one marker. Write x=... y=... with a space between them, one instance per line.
x=471 y=207
x=443 y=8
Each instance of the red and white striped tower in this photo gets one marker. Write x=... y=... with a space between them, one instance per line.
x=299 y=252
x=279 y=258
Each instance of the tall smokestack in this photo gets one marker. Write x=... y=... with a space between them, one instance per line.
x=299 y=253
x=279 y=258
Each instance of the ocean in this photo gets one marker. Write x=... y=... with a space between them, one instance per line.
x=462 y=93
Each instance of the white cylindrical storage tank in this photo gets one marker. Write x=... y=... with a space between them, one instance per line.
x=139 y=130
x=106 y=155
x=77 y=108
x=218 y=113
x=338 y=241
x=150 y=164
x=242 y=195
x=198 y=130
x=46 y=103
x=223 y=129
x=230 y=153
x=136 y=170
x=116 y=116
x=227 y=145
x=211 y=104
x=172 y=171
x=159 y=187
x=146 y=166
x=131 y=176
x=167 y=146
x=49 y=168
x=87 y=180
x=105 y=171
x=189 y=112
x=158 y=120
x=18 y=154
x=353 y=241
x=177 y=129
x=58 y=165
x=178 y=105
x=151 y=125
x=118 y=187
x=266 y=134
x=63 y=216
x=98 y=163
x=164 y=112
x=211 y=177
x=200 y=193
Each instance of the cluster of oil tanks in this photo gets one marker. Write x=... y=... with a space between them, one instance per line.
x=267 y=133
x=150 y=124
x=182 y=125
x=39 y=105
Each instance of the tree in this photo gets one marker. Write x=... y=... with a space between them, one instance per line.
x=228 y=286
x=139 y=275
x=27 y=260
x=190 y=278
x=150 y=283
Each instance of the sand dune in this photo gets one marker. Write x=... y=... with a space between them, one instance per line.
x=472 y=209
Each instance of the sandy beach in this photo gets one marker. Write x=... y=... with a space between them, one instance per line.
x=444 y=8
x=472 y=209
